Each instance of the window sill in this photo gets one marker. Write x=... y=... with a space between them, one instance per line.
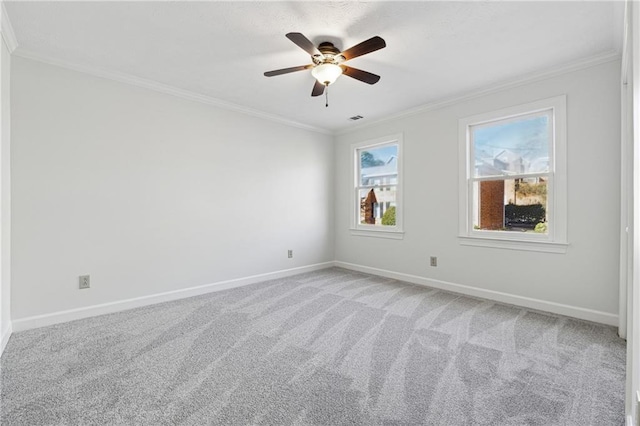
x=377 y=233
x=527 y=245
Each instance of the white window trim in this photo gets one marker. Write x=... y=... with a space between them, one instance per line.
x=556 y=239
x=357 y=229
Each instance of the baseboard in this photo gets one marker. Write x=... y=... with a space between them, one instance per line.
x=123 y=305
x=4 y=337
x=527 y=302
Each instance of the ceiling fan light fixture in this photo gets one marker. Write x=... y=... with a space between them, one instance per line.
x=326 y=62
x=326 y=73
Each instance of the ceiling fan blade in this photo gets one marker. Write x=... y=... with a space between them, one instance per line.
x=363 y=76
x=367 y=46
x=304 y=43
x=287 y=70
x=318 y=89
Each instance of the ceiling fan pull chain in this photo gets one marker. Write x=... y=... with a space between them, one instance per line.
x=326 y=97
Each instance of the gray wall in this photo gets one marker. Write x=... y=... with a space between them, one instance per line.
x=585 y=277
x=149 y=193
x=5 y=200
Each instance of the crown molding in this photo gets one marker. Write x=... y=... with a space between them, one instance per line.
x=6 y=29
x=591 y=61
x=196 y=97
x=164 y=88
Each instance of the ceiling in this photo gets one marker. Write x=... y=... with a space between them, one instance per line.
x=219 y=50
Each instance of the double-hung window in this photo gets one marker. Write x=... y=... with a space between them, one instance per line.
x=377 y=189
x=513 y=177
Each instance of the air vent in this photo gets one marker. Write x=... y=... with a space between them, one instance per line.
x=355 y=117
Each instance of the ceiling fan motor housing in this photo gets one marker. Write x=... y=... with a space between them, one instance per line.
x=330 y=54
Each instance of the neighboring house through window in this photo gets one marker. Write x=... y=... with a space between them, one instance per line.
x=377 y=174
x=513 y=177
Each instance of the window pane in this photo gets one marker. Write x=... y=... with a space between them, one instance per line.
x=378 y=206
x=511 y=205
x=379 y=165
x=512 y=146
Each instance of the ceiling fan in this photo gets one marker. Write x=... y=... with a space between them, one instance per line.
x=327 y=61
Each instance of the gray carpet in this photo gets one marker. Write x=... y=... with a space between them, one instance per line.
x=331 y=347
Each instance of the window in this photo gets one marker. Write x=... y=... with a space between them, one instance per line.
x=377 y=174
x=513 y=177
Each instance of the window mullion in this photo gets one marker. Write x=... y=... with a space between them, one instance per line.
x=507 y=177
x=382 y=185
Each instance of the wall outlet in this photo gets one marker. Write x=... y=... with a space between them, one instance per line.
x=84 y=281
x=433 y=261
x=289 y=254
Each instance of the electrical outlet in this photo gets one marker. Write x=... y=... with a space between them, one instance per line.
x=84 y=281
x=433 y=261
x=289 y=254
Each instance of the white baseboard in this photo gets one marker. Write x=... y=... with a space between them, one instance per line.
x=527 y=302
x=4 y=337
x=28 y=323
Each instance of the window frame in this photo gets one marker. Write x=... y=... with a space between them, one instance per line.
x=367 y=230
x=555 y=240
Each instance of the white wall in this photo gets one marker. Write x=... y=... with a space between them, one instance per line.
x=5 y=197
x=585 y=277
x=149 y=193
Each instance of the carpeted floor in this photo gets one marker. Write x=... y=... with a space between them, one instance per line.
x=331 y=347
